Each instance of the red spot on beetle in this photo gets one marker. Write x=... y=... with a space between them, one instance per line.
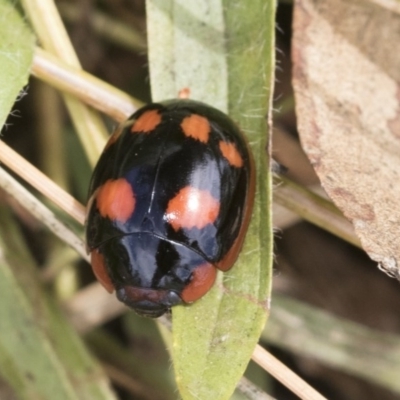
x=116 y=200
x=147 y=122
x=203 y=278
x=196 y=127
x=184 y=93
x=192 y=208
x=100 y=270
x=230 y=152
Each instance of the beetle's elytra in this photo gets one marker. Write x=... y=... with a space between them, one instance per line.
x=169 y=203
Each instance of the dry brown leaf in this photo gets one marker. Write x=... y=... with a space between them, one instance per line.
x=346 y=59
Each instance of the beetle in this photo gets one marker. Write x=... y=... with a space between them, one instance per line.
x=170 y=200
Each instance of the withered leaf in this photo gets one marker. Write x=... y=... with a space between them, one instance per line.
x=346 y=78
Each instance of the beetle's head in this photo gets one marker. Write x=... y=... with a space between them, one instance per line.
x=148 y=302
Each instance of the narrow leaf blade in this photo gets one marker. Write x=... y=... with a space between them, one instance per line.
x=41 y=356
x=16 y=53
x=214 y=337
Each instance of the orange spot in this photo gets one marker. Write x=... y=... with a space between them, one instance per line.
x=116 y=200
x=230 y=152
x=196 y=127
x=184 y=93
x=203 y=278
x=147 y=122
x=191 y=208
x=100 y=270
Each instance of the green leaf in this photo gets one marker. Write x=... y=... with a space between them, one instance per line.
x=224 y=53
x=186 y=40
x=41 y=356
x=16 y=53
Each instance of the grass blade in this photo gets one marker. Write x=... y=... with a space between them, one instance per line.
x=224 y=53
